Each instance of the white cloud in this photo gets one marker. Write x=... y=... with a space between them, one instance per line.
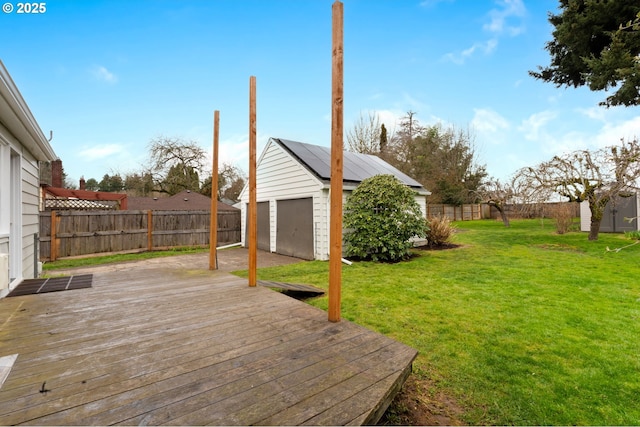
x=532 y=126
x=488 y=121
x=102 y=74
x=100 y=151
x=500 y=24
x=390 y=118
x=498 y=17
x=612 y=133
x=486 y=47
x=594 y=113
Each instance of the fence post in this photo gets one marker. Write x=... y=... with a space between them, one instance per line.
x=53 y=251
x=149 y=230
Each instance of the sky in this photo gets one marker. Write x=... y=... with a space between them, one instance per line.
x=108 y=77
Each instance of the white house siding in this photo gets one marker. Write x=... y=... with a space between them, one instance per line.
x=422 y=202
x=16 y=161
x=30 y=215
x=281 y=177
x=585 y=216
x=5 y=209
x=22 y=145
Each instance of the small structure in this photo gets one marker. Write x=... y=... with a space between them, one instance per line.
x=620 y=214
x=185 y=200
x=293 y=183
x=22 y=147
x=56 y=198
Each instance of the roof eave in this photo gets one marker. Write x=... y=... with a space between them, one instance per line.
x=19 y=120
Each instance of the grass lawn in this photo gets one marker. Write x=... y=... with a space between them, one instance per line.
x=521 y=325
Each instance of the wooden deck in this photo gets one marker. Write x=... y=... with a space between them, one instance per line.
x=189 y=347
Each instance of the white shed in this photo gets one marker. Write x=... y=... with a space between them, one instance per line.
x=292 y=186
x=22 y=147
x=617 y=217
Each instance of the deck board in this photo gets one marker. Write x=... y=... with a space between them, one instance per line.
x=163 y=346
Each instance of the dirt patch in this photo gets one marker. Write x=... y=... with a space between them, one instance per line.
x=417 y=405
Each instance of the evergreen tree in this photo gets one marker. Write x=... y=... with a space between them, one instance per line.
x=595 y=43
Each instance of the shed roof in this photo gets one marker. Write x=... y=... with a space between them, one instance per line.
x=356 y=166
x=55 y=197
x=184 y=200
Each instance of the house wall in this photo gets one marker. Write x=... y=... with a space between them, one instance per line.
x=281 y=177
x=5 y=211
x=30 y=215
x=19 y=174
x=22 y=145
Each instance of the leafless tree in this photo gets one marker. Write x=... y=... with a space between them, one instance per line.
x=596 y=177
x=498 y=193
x=231 y=180
x=364 y=137
x=180 y=157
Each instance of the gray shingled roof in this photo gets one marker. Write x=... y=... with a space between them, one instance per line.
x=184 y=200
x=356 y=166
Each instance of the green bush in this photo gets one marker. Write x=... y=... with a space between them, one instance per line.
x=381 y=215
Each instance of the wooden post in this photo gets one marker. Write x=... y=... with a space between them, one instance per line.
x=335 y=229
x=149 y=230
x=53 y=251
x=253 y=203
x=213 y=222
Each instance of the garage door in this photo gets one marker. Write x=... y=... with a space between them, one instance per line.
x=294 y=236
x=264 y=240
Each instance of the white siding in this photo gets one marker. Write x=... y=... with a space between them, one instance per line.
x=5 y=209
x=30 y=214
x=281 y=177
x=585 y=216
x=23 y=262
x=22 y=144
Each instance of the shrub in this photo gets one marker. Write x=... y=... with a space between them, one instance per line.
x=563 y=214
x=440 y=230
x=381 y=215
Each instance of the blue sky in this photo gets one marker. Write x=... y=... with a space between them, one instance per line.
x=109 y=76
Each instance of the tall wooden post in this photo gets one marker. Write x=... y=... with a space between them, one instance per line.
x=253 y=203
x=213 y=222
x=335 y=229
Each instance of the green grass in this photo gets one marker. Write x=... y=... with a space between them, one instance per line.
x=115 y=258
x=521 y=325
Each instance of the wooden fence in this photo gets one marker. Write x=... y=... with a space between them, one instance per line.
x=485 y=211
x=89 y=232
x=536 y=210
x=457 y=213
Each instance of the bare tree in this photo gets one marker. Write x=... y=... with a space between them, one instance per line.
x=231 y=180
x=498 y=194
x=596 y=177
x=364 y=137
x=176 y=160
